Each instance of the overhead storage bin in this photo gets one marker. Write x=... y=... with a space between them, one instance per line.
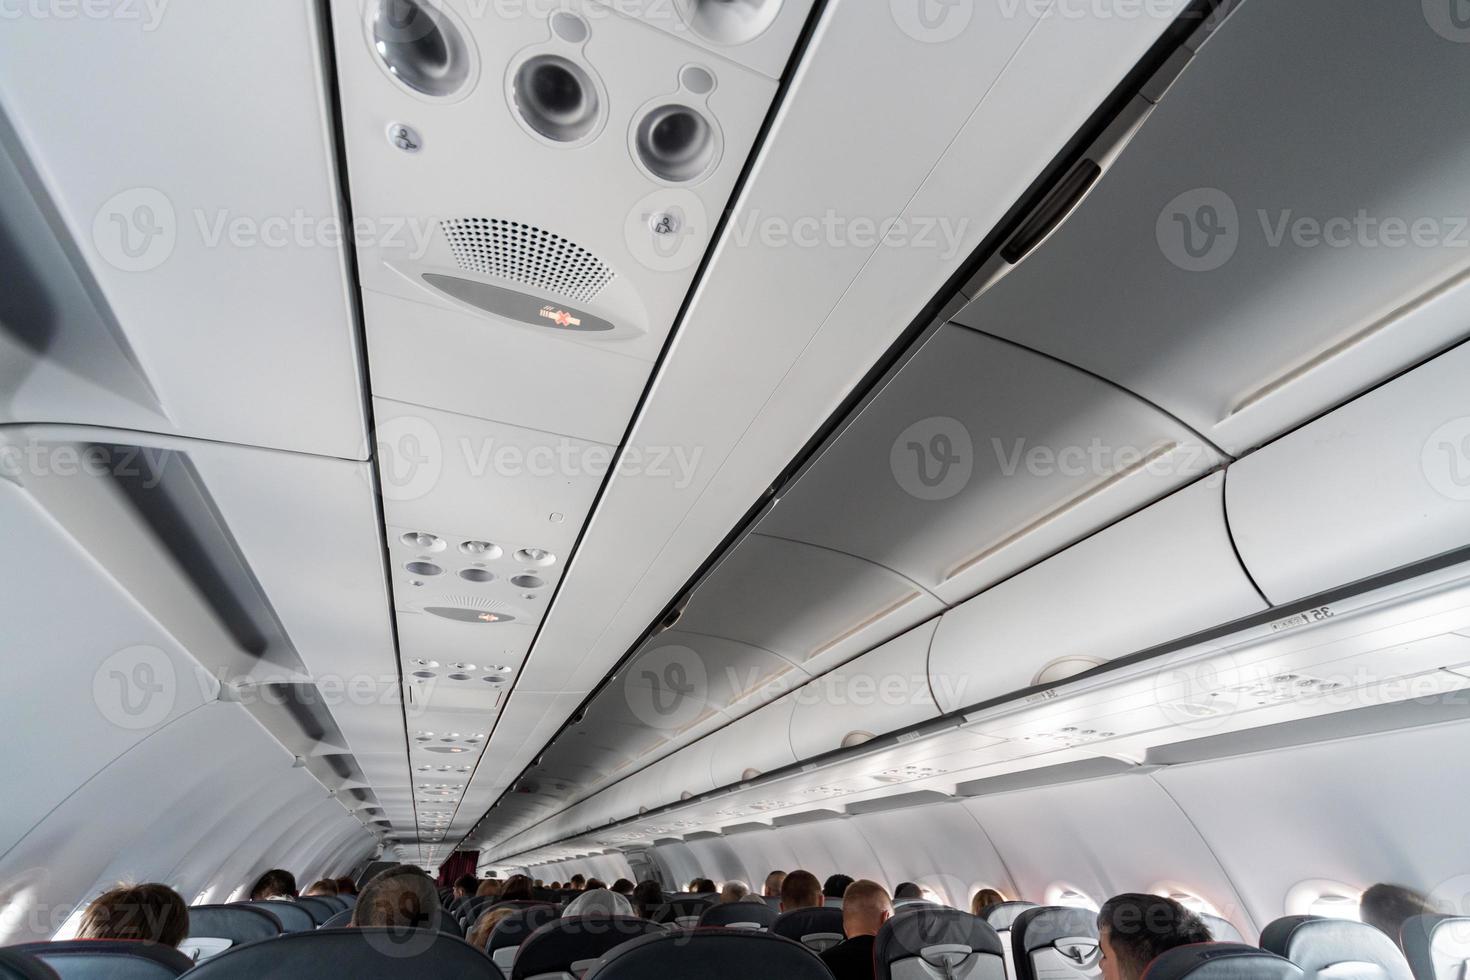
x=1380 y=483
x=1248 y=262
x=1162 y=574
x=979 y=459
x=754 y=745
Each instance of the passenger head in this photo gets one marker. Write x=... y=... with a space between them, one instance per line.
x=647 y=897
x=346 y=886
x=908 y=891
x=984 y=899
x=1388 y=907
x=595 y=883
x=623 y=886
x=490 y=887
x=326 y=886
x=836 y=886
x=577 y=883
x=598 y=901
x=465 y=886
x=153 y=912
x=556 y=886
x=865 y=907
x=399 y=897
x=734 y=891
x=773 y=884
x=275 y=883
x=704 y=886
x=479 y=934
x=800 y=890
x=517 y=889
x=1134 y=928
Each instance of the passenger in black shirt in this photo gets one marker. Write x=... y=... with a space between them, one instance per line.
x=865 y=907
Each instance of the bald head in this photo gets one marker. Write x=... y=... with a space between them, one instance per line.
x=865 y=907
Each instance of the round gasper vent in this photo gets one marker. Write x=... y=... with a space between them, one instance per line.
x=446 y=749
x=535 y=556
x=481 y=549
x=750 y=774
x=852 y=739
x=477 y=575
x=424 y=568
x=676 y=143
x=527 y=581
x=729 y=22
x=423 y=541
x=557 y=98
x=1064 y=667
x=420 y=45
x=461 y=615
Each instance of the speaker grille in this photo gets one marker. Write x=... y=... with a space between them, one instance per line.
x=518 y=252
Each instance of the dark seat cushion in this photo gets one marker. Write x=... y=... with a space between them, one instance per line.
x=361 y=954
x=755 y=912
x=100 y=959
x=947 y=942
x=709 y=954
x=559 y=944
x=1221 y=961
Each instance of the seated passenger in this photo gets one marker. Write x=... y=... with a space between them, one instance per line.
x=800 y=890
x=153 y=912
x=400 y=897
x=984 y=899
x=648 y=896
x=734 y=891
x=835 y=887
x=705 y=886
x=594 y=883
x=623 y=887
x=865 y=907
x=326 y=886
x=346 y=886
x=479 y=934
x=1133 y=928
x=465 y=885
x=598 y=901
x=577 y=883
x=1388 y=907
x=556 y=886
x=517 y=888
x=772 y=888
x=491 y=887
x=274 y=884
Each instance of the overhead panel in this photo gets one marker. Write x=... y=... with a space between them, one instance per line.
x=1279 y=236
x=979 y=459
x=181 y=267
x=756 y=33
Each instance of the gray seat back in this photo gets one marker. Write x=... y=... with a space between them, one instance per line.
x=937 y=944
x=818 y=929
x=1335 y=949
x=749 y=914
x=1000 y=917
x=215 y=928
x=1223 y=930
x=293 y=917
x=1056 y=943
x=710 y=954
x=108 y=959
x=1438 y=947
x=1220 y=961
x=359 y=954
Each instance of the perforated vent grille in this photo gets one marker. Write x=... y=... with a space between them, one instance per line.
x=523 y=253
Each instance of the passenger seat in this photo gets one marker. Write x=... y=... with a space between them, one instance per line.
x=818 y=929
x=18 y=966
x=1055 y=943
x=1335 y=949
x=361 y=954
x=1220 y=961
x=1223 y=930
x=108 y=959
x=293 y=918
x=753 y=915
x=215 y=928
x=565 y=948
x=683 y=911
x=1000 y=917
x=939 y=943
x=508 y=934
x=1438 y=947
x=710 y=954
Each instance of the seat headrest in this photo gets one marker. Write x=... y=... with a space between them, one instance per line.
x=514 y=928
x=18 y=966
x=238 y=923
x=108 y=959
x=1223 y=930
x=1055 y=941
x=1437 y=946
x=369 y=953
x=341 y=920
x=710 y=954
x=293 y=918
x=938 y=942
x=682 y=907
x=556 y=946
x=1220 y=961
x=1336 y=949
x=1004 y=915
x=804 y=922
x=321 y=910
x=750 y=913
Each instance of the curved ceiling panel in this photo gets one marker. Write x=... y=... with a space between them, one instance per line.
x=980 y=458
x=1275 y=238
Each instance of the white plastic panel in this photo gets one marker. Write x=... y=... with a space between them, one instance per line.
x=882 y=691
x=930 y=858
x=212 y=230
x=1164 y=573
x=759 y=34
x=1381 y=482
x=760 y=741
x=1317 y=214
x=979 y=459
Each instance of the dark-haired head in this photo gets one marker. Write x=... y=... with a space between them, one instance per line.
x=1134 y=928
x=150 y=912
